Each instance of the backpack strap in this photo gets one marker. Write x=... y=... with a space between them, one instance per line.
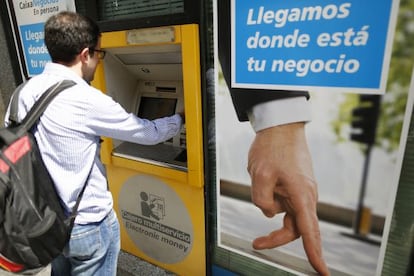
x=14 y=106
x=74 y=212
x=9 y=134
x=39 y=107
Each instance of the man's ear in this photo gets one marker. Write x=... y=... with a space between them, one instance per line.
x=84 y=55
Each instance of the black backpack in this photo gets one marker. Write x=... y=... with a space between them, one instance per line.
x=33 y=226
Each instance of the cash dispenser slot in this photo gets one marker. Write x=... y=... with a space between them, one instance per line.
x=147 y=81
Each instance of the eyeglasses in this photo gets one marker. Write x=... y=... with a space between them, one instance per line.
x=101 y=53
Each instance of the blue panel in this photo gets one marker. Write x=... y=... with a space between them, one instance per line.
x=219 y=271
x=311 y=43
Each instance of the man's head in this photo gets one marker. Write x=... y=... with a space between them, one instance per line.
x=71 y=37
x=68 y=33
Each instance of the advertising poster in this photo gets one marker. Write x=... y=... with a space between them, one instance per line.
x=312 y=44
x=29 y=19
x=357 y=175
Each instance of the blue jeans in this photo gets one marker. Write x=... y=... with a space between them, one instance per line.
x=93 y=249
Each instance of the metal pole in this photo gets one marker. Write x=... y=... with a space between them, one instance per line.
x=360 y=207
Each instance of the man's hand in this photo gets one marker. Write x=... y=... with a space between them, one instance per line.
x=280 y=168
x=182 y=114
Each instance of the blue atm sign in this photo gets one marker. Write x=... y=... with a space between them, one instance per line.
x=312 y=44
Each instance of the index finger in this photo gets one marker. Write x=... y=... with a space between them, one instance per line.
x=308 y=227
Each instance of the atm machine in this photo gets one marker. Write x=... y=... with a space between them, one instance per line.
x=158 y=190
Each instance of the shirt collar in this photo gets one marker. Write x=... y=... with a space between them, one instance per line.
x=62 y=71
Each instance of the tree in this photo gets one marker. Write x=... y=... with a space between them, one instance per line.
x=399 y=77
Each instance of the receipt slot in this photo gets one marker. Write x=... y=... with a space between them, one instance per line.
x=158 y=190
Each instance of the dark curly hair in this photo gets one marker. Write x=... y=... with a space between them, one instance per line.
x=68 y=33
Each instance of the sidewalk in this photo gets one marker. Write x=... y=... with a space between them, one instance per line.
x=128 y=265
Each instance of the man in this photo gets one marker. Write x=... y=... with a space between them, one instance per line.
x=68 y=135
x=279 y=161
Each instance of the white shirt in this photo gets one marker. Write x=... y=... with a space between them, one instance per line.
x=279 y=112
x=68 y=136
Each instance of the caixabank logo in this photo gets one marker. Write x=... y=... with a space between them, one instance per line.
x=156 y=219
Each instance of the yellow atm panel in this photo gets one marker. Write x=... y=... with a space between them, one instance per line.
x=158 y=190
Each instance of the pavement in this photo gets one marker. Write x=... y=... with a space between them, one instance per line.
x=344 y=255
x=128 y=265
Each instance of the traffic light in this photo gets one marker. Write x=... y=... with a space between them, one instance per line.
x=365 y=118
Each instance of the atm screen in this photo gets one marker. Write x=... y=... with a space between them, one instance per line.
x=152 y=108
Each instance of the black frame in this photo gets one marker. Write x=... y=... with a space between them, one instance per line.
x=15 y=49
x=192 y=14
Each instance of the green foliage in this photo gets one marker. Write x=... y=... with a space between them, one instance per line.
x=395 y=99
x=344 y=116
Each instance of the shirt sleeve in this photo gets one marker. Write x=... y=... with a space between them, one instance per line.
x=108 y=118
x=279 y=112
